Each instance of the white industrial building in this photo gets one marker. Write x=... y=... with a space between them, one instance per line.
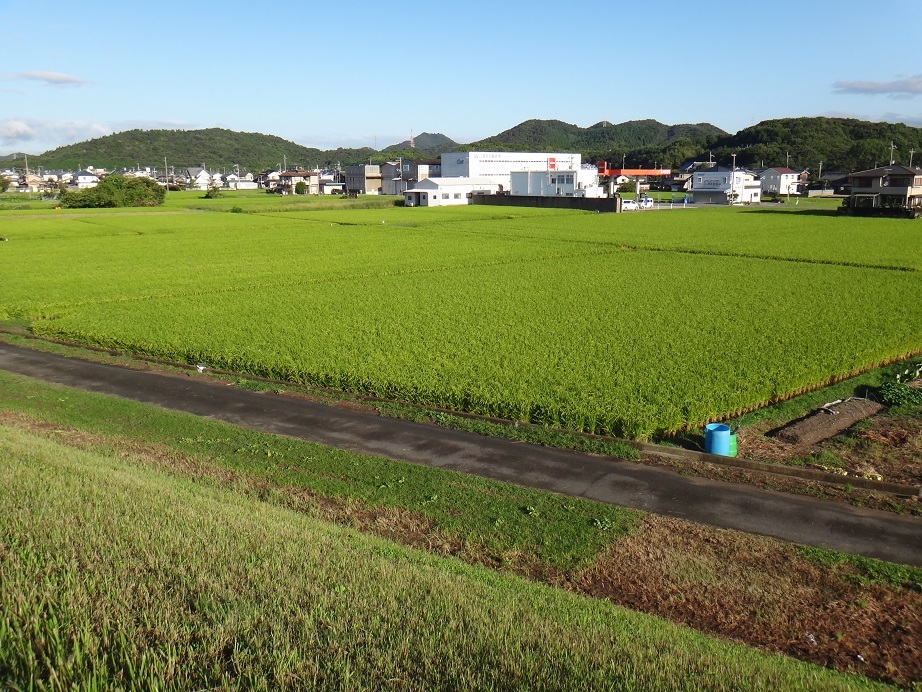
x=443 y=192
x=581 y=182
x=497 y=166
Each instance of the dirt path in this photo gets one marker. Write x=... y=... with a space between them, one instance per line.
x=793 y=518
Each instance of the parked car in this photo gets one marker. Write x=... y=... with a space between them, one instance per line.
x=646 y=203
x=629 y=205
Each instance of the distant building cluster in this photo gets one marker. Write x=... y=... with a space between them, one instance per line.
x=191 y=178
x=457 y=178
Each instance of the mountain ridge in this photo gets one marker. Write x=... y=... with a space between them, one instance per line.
x=839 y=143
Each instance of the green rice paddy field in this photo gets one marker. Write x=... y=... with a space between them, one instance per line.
x=630 y=324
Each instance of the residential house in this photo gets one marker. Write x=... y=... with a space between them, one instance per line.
x=441 y=192
x=268 y=179
x=236 y=181
x=199 y=179
x=721 y=185
x=12 y=176
x=831 y=183
x=331 y=183
x=681 y=180
x=398 y=176
x=289 y=180
x=85 y=179
x=780 y=181
x=887 y=187
x=364 y=179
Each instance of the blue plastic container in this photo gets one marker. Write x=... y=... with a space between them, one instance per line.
x=717 y=439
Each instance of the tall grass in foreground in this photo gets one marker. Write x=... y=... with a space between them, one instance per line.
x=120 y=576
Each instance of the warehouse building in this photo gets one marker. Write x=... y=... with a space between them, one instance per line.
x=498 y=166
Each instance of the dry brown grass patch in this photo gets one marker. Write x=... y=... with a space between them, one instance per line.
x=759 y=591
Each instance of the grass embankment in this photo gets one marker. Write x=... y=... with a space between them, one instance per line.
x=119 y=575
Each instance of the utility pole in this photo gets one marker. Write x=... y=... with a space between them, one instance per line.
x=892 y=147
x=733 y=180
x=911 y=152
x=820 y=174
x=166 y=175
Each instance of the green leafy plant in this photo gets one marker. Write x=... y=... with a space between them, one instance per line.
x=899 y=393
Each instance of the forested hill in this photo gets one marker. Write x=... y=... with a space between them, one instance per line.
x=840 y=143
x=213 y=148
x=637 y=139
x=801 y=143
x=425 y=144
x=555 y=135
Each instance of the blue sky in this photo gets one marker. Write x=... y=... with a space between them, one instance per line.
x=367 y=73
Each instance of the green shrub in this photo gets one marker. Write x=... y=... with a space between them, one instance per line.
x=900 y=394
x=213 y=192
x=116 y=191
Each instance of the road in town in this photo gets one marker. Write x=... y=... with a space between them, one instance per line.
x=800 y=519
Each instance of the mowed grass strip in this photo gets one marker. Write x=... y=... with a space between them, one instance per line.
x=120 y=576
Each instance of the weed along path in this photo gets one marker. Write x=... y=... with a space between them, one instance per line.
x=793 y=518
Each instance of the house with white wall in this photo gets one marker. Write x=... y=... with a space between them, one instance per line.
x=200 y=179
x=443 y=192
x=780 y=181
x=721 y=185
x=85 y=179
x=289 y=181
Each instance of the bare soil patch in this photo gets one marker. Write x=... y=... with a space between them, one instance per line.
x=886 y=446
x=827 y=421
x=759 y=591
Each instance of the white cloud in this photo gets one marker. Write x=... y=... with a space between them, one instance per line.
x=122 y=125
x=336 y=140
x=911 y=120
x=49 y=78
x=41 y=135
x=15 y=131
x=897 y=89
